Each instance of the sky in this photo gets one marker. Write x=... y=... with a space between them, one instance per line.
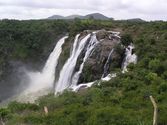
x=118 y=9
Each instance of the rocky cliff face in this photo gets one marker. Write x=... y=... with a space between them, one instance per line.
x=94 y=67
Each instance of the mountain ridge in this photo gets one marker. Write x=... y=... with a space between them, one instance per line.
x=97 y=16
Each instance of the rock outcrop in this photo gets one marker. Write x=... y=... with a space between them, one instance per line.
x=94 y=66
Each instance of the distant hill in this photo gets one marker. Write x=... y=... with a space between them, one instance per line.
x=136 y=20
x=56 y=17
x=73 y=17
x=96 y=16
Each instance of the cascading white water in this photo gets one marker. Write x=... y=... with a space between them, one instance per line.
x=47 y=76
x=65 y=78
x=39 y=81
x=92 y=43
x=106 y=66
x=129 y=58
x=50 y=66
x=89 y=84
x=75 y=45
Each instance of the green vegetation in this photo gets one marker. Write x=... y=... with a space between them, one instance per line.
x=20 y=39
x=126 y=39
x=124 y=100
x=27 y=41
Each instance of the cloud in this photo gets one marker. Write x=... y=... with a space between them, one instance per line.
x=119 y=9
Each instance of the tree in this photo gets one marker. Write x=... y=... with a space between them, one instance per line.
x=126 y=39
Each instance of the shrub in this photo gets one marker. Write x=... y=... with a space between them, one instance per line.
x=126 y=39
x=4 y=113
x=19 y=107
x=163 y=88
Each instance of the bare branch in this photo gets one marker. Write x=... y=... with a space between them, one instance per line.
x=155 y=110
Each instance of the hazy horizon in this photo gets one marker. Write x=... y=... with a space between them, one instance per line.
x=120 y=9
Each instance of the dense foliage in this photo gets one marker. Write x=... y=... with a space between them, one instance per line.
x=124 y=100
x=27 y=41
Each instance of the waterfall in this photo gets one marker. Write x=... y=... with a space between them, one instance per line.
x=40 y=83
x=65 y=77
x=92 y=43
x=45 y=78
x=50 y=66
x=130 y=57
x=107 y=64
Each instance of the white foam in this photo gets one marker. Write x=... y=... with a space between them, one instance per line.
x=129 y=58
